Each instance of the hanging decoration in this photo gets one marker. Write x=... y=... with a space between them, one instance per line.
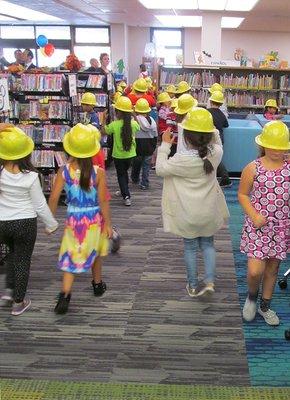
x=46 y=48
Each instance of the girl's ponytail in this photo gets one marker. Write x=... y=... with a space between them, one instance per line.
x=126 y=133
x=86 y=167
x=203 y=152
x=200 y=142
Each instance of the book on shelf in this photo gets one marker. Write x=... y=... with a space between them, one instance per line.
x=47 y=181
x=43 y=158
x=101 y=99
x=61 y=158
x=42 y=82
x=95 y=81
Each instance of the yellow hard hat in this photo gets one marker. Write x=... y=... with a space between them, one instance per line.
x=15 y=144
x=215 y=87
x=170 y=89
x=140 y=85
x=142 y=106
x=116 y=96
x=185 y=103
x=96 y=131
x=271 y=103
x=198 y=120
x=124 y=104
x=148 y=81
x=182 y=87
x=89 y=98
x=163 y=97
x=174 y=103
x=217 y=96
x=123 y=84
x=275 y=135
x=81 y=142
x=120 y=89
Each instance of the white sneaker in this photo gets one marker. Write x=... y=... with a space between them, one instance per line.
x=191 y=292
x=249 y=310
x=6 y=299
x=127 y=201
x=117 y=193
x=270 y=317
x=208 y=289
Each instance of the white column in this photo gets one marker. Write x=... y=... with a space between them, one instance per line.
x=119 y=45
x=211 y=35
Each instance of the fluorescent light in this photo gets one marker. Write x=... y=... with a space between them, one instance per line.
x=231 y=22
x=180 y=20
x=5 y=18
x=25 y=13
x=168 y=4
x=238 y=5
x=212 y=4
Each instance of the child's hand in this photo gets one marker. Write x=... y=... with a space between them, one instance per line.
x=259 y=221
x=167 y=136
x=50 y=231
x=108 y=231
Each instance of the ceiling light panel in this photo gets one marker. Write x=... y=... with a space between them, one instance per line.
x=168 y=4
x=178 y=21
x=215 y=5
x=231 y=22
x=25 y=13
x=240 y=5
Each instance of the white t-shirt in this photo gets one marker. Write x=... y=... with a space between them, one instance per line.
x=21 y=197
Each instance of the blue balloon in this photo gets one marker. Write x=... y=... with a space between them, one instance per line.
x=41 y=40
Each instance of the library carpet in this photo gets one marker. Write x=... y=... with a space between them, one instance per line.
x=145 y=338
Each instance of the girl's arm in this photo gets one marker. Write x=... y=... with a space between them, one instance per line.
x=103 y=199
x=56 y=191
x=41 y=208
x=165 y=166
x=245 y=188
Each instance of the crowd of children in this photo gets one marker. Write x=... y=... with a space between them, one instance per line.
x=189 y=158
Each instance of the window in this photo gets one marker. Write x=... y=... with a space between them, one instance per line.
x=58 y=57
x=54 y=32
x=169 y=45
x=92 y=35
x=17 y=32
x=85 y=53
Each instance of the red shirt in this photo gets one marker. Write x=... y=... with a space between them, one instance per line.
x=99 y=160
x=134 y=97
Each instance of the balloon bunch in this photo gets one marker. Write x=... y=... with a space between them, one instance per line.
x=47 y=49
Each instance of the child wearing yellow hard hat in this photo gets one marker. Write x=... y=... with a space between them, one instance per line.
x=21 y=202
x=193 y=205
x=264 y=194
x=185 y=103
x=88 y=223
x=217 y=87
x=271 y=110
x=164 y=103
x=88 y=104
x=220 y=122
x=123 y=131
x=146 y=141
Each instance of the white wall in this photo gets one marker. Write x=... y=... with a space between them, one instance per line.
x=192 y=42
x=137 y=39
x=119 y=44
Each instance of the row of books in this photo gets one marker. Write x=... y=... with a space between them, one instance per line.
x=246 y=99
x=47 y=158
x=101 y=99
x=84 y=117
x=174 y=78
x=93 y=81
x=45 y=133
x=285 y=100
x=285 y=82
x=251 y=81
x=35 y=110
x=47 y=182
x=42 y=82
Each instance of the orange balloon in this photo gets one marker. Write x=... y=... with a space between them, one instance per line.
x=42 y=51
x=49 y=49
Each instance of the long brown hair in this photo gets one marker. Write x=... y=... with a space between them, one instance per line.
x=126 y=133
x=86 y=167
x=200 y=142
x=24 y=164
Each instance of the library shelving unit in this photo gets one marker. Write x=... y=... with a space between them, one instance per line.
x=41 y=106
x=246 y=89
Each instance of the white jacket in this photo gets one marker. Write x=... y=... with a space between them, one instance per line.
x=193 y=204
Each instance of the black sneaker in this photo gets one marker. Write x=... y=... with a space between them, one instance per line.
x=99 y=288
x=224 y=183
x=62 y=304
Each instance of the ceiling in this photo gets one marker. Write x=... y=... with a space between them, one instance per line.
x=267 y=15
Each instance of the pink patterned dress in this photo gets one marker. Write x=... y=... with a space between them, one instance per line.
x=270 y=197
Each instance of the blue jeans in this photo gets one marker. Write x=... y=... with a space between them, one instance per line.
x=191 y=246
x=144 y=163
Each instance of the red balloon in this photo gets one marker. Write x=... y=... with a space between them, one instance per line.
x=49 y=49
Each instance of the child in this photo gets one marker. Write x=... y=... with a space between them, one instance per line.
x=140 y=89
x=264 y=196
x=271 y=110
x=182 y=88
x=217 y=87
x=171 y=90
x=124 y=147
x=146 y=140
x=88 y=223
x=185 y=103
x=193 y=205
x=164 y=101
x=220 y=122
x=143 y=71
x=21 y=201
x=88 y=103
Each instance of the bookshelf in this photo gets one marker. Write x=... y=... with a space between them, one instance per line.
x=245 y=88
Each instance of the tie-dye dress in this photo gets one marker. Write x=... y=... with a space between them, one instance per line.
x=83 y=239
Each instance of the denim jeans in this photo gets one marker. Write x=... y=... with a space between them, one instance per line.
x=191 y=246
x=144 y=163
x=122 y=165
